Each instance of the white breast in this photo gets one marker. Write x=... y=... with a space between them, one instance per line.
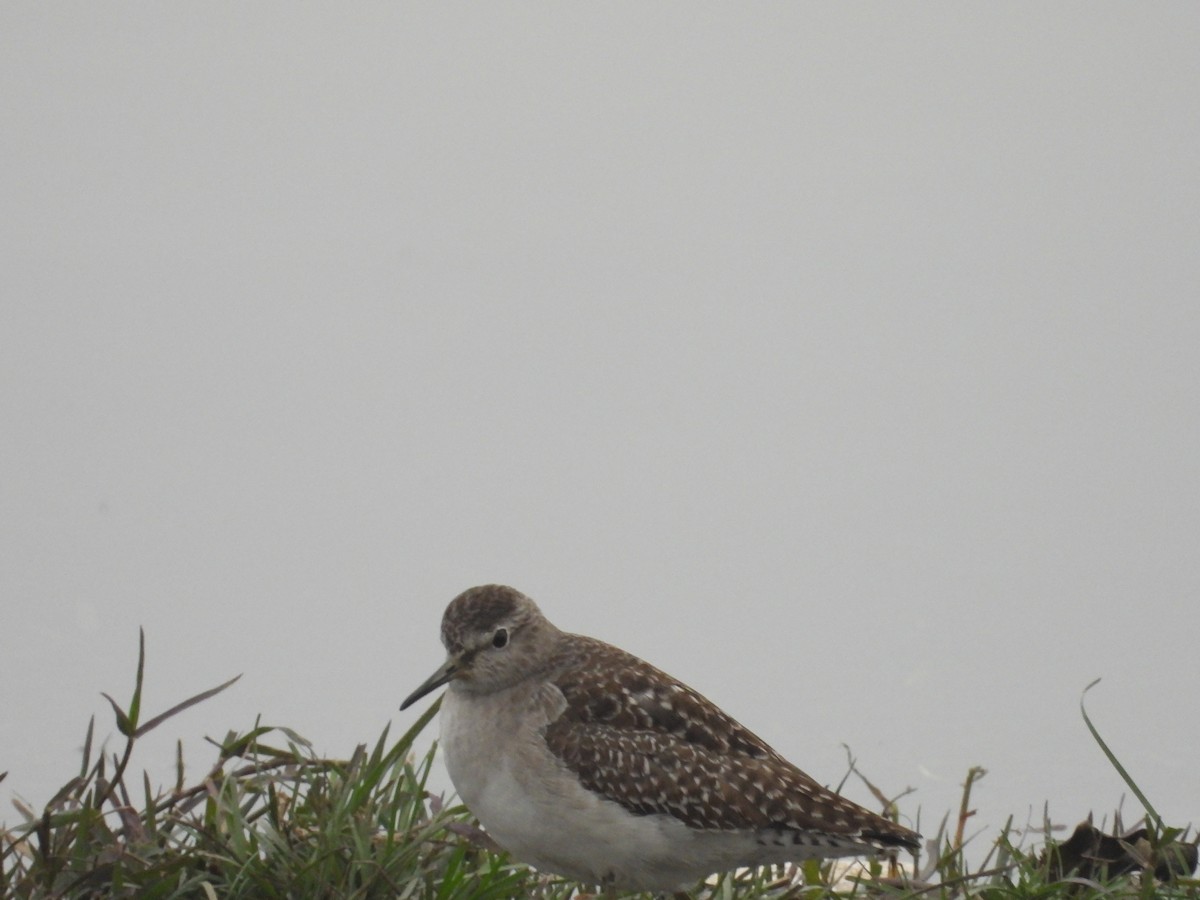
x=537 y=810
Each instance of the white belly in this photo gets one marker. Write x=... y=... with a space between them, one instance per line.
x=537 y=810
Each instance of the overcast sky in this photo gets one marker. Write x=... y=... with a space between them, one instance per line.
x=841 y=360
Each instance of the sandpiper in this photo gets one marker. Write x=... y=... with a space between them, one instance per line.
x=582 y=760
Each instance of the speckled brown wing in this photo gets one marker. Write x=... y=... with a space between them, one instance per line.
x=639 y=737
x=604 y=685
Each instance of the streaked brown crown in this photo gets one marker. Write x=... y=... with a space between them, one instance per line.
x=482 y=609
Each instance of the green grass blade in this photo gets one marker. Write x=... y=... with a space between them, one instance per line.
x=1116 y=764
x=178 y=707
x=135 y=705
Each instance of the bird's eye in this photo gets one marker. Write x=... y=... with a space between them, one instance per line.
x=500 y=638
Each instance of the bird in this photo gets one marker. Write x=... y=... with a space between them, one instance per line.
x=584 y=761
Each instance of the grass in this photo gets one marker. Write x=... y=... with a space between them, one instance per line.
x=273 y=819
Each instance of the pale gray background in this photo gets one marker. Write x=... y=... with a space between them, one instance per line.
x=841 y=360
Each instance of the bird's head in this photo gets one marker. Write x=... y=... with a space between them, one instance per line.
x=495 y=636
